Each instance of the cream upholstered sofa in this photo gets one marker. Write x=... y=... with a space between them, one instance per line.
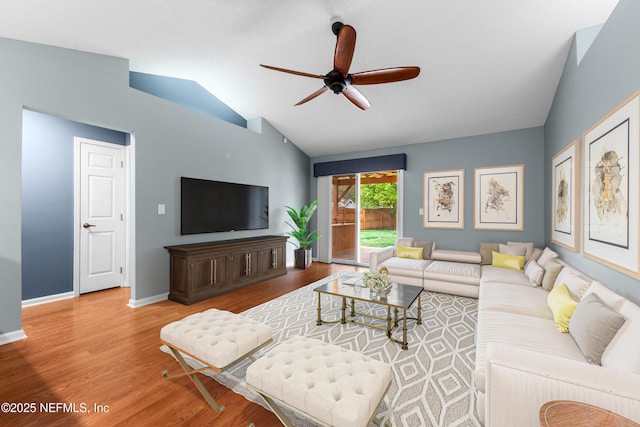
x=453 y=272
x=523 y=360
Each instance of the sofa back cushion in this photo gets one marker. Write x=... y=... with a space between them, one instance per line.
x=623 y=352
x=577 y=283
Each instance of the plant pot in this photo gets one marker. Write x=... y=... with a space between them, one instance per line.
x=302 y=258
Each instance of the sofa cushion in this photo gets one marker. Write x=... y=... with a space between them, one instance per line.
x=405 y=266
x=576 y=283
x=562 y=305
x=509 y=328
x=512 y=262
x=456 y=256
x=623 y=352
x=512 y=250
x=486 y=252
x=551 y=270
x=526 y=300
x=610 y=298
x=427 y=248
x=411 y=253
x=593 y=326
x=456 y=272
x=498 y=274
x=529 y=247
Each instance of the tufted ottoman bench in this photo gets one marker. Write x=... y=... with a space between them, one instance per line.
x=329 y=384
x=215 y=338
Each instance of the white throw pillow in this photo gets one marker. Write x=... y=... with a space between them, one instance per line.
x=535 y=273
x=528 y=247
x=546 y=256
x=513 y=250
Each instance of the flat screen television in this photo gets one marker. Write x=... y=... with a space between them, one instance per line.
x=214 y=206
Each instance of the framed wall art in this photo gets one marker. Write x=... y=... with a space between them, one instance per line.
x=610 y=189
x=499 y=198
x=565 y=195
x=443 y=200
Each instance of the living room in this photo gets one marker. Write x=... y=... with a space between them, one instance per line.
x=172 y=141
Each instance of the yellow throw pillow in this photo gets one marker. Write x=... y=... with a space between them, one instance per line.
x=412 y=253
x=513 y=262
x=562 y=306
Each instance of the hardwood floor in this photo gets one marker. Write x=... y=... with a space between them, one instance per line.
x=94 y=350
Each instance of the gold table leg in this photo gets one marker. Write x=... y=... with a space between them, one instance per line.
x=319 y=321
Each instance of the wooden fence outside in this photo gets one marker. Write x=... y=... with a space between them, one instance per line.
x=370 y=218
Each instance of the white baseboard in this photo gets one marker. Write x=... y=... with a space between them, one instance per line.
x=135 y=303
x=47 y=298
x=10 y=337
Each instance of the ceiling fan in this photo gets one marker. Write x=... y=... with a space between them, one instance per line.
x=339 y=80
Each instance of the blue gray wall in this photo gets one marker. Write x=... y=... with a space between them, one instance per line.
x=169 y=141
x=499 y=149
x=607 y=75
x=47 y=200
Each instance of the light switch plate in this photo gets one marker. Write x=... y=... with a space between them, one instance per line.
x=161 y=209
x=421 y=211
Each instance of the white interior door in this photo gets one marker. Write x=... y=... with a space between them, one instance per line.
x=101 y=216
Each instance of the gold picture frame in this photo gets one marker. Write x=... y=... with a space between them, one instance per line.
x=443 y=199
x=499 y=198
x=565 y=195
x=610 y=188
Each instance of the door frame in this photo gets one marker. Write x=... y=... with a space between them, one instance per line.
x=128 y=230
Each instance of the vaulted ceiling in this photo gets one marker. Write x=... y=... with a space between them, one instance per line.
x=486 y=66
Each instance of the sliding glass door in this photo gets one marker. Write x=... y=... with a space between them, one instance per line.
x=364 y=214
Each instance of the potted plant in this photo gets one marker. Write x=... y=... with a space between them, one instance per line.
x=300 y=233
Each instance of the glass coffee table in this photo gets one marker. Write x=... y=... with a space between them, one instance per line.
x=398 y=297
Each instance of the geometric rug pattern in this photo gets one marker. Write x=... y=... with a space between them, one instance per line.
x=432 y=381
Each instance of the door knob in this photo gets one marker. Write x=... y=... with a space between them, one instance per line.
x=87 y=225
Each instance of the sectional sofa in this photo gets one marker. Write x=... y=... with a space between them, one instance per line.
x=522 y=358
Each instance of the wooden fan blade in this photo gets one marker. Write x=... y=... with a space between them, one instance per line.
x=385 y=75
x=356 y=97
x=315 y=94
x=345 y=45
x=297 y=73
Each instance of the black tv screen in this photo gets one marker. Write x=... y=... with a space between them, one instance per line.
x=214 y=206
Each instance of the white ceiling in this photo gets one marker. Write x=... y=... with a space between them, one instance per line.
x=487 y=66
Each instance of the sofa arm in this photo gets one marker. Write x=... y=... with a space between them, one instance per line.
x=519 y=382
x=378 y=256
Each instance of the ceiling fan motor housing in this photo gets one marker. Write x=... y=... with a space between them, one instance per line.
x=335 y=81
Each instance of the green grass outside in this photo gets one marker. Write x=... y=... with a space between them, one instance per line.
x=377 y=238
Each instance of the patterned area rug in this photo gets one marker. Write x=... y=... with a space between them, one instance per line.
x=433 y=379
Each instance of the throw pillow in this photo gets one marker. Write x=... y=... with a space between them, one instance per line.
x=427 y=248
x=534 y=272
x=562 y=306
x=528 y=247
x=513 y=262
x=546 y=255
x=551 y=270
x=486 y=252
x=513 y=250
x=593 y=326
x=411 y=253
x=576 y=283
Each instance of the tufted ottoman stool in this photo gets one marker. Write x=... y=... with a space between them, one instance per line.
x=215 y=338
x=332 y=385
